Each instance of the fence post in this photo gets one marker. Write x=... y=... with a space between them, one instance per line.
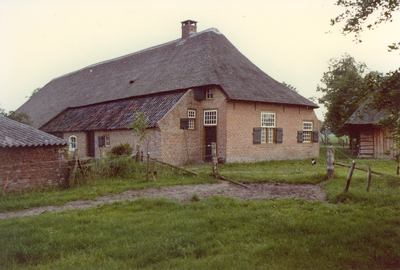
x=155 y=170
x=330 y=158
x=214 y=158
x=148 y=166
x=369 y=176
x=138 y=153
x=349 y=177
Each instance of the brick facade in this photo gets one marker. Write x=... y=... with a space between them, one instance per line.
x=235 y=123
x=26 y=168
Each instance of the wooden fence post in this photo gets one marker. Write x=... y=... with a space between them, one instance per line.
x=369 y=176
x=214 y=158
x=148 y=166
x=349 y=177
x=155 y=170
x=330 y=158
x=137 y=153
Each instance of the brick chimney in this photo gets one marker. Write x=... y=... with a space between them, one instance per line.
x=188 y=27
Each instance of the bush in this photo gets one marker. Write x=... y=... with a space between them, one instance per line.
x=122 y=149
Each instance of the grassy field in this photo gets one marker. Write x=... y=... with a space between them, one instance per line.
x=353 y=230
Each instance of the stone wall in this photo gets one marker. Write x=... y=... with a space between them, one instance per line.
x=27 y=168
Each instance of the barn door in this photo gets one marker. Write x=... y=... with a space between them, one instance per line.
x=91 y=144
x=210 y=135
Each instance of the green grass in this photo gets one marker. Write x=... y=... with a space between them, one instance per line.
x=355 y=230
x=215 y=233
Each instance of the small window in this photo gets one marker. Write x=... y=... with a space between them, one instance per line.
x=106 y=141
x=210 y=118
x=72 y=141
x=209 y=93
x=192 y=119
x=307 y=132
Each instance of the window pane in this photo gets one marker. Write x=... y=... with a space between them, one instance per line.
x=267 y=119
x=306 y=136
x=308 y=126
x=263 y=135
x=191 y=124
x=270 y=135
x=210 y=118
x=191 y=114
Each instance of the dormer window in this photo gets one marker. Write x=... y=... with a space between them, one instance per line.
x=209 y=93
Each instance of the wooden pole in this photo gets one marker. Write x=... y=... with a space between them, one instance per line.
x=214 y=158
x=176 y=167
x=350 y=176
x=137 y=153
x=369 y=176
x=187 y=148
x=330 y=158
x=148 y=166
x=237 y=183
x=155 y=170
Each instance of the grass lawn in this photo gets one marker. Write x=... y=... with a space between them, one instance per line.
x=356 y=230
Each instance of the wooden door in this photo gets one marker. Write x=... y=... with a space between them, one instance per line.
x=210 y=135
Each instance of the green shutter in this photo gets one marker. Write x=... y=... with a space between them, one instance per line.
x=315 y=136
x=279 y=135
x=257 y=135
x=300 y=136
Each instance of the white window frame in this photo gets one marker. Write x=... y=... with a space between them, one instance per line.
x=106 y=140
x=307 y=128
x=192 y=119
x=210 y=117
x=192 y=114
x=209 y=93
x=72 y=143
x=268 y=127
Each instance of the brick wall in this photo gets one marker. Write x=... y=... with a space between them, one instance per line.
x=243 y=116
x=26 y=168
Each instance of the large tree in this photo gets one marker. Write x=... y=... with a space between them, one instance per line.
x=19 y=117
x=343 y=92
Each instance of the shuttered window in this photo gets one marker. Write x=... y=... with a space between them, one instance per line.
x=268 y=127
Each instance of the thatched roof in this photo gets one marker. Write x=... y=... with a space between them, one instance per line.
x=113 y=115
x=205 y=58
x=15 y=134
x=365 y=116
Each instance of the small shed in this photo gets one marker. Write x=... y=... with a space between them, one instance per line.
x=373 y=140
x=30 y=158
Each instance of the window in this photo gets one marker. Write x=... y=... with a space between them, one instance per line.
x=106 y=141
x=210 y=118
x=192 y=119
x=209 y=93
x=72 y=142
x=307 y=131
x=267 y=127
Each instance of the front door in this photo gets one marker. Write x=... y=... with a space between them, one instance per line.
x=91 y=144
x=210 y=135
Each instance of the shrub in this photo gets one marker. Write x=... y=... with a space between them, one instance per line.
x=122 y=149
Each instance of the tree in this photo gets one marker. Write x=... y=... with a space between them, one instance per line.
x=358 y=11
x=19 y=117
x=343 y=92
x=291 y=87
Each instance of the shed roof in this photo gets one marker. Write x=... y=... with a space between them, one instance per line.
x=205 y=58
x=114 y=115
x=15 y=134
x=366 y=116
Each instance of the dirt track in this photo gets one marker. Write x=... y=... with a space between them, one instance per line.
x=255 y=191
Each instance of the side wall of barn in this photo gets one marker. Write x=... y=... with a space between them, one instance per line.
x=26 y=168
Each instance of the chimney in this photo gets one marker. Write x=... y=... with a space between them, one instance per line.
x=188 y=27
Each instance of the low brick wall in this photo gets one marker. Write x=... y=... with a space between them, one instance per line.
x=27 y=168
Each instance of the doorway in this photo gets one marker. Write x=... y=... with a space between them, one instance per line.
x=210 y=135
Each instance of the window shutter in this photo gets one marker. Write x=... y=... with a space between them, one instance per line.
x=315 y=136
x=100 y=141
x=257 y=135
x=184 y=124
x=300 y=136
x=199 y=93
x=279 y=135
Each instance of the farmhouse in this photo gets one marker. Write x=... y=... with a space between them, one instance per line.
x=194 y=90
x=373 y=141
x=30 y=158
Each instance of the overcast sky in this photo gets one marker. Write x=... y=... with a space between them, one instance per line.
x=290 y=40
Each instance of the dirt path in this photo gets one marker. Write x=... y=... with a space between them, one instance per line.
x=255 y=191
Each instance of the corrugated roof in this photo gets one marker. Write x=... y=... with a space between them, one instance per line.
x=205 y=58
x=15 y=134
x=113 y=115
